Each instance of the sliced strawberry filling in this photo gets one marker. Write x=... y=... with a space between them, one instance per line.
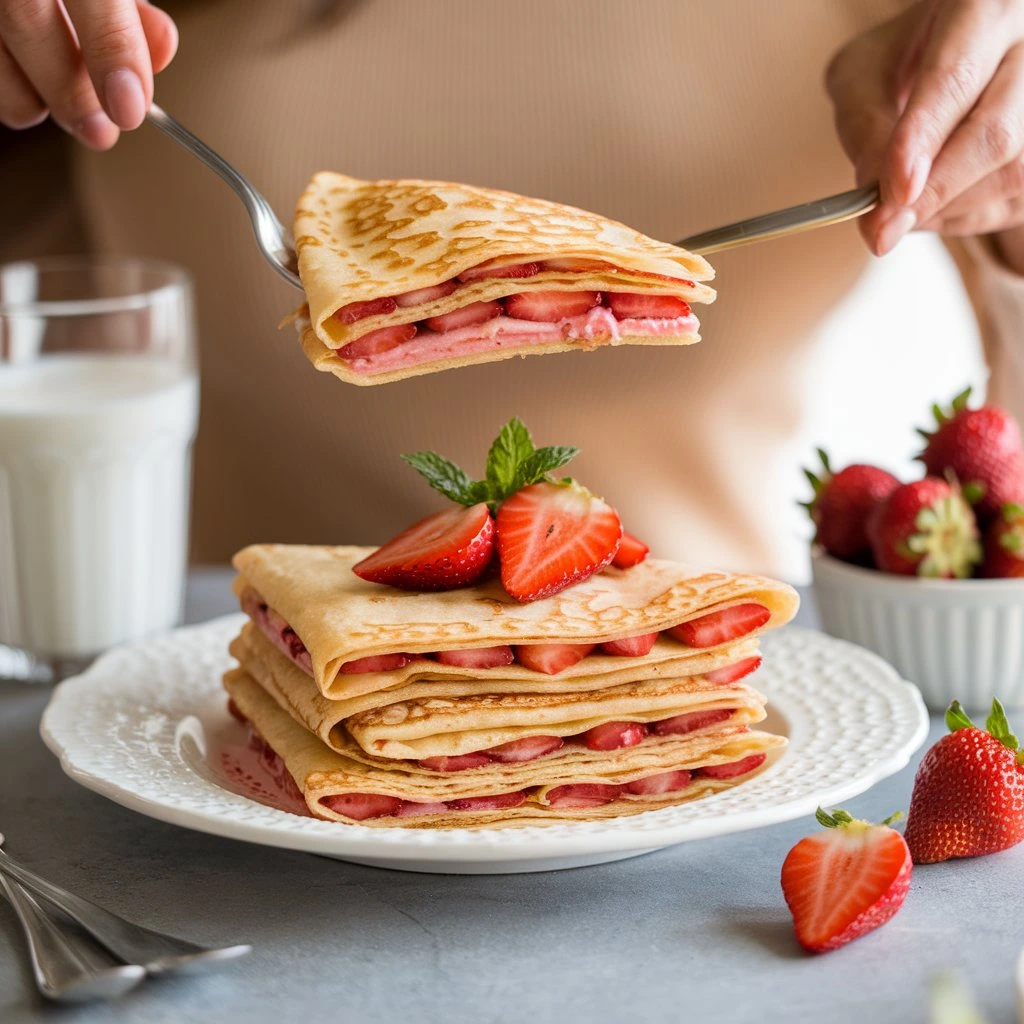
x=721 y=627
x=615 y=735
x=735 y=768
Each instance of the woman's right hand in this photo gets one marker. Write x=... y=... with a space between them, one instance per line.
x=89 y=65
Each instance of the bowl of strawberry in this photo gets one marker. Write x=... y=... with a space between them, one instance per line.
x=929 y=573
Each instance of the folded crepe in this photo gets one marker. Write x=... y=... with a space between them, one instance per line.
x=593 y=785
x=411 y=277
x=328 y=620
x=430 y=725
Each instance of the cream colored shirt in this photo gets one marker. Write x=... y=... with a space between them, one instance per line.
x=670 y=115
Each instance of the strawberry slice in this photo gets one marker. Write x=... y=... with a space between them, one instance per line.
x=467 y=316
x=375 y=342
x=846 y=881
x=528 y=749
x=477 y=657
x=735 y=768
x=498 y=802
x=693 y=720
x=577 y=264
x=411 y=809
x=446 y=550
x=631 y=552
x=614 y=735
x=551 y=658
x=631 y=646
x=630 y=306
x=360 y=310
x=420 y=296
x=550 y=307
x=583 y=794
x=514 y=270
x=721 y=627
x=376 y=663
x=655 y=785
x=360 y=806
x=455 y=763
x=551 y=536
x=732 y=673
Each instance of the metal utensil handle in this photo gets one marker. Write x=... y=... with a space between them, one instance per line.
x=794 y=219
x=128 y=942
x=61 y=970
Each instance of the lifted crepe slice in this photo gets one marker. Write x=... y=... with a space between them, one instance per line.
x=410 y=277
x=445 y=726
x=330 y=620
x=600 y=785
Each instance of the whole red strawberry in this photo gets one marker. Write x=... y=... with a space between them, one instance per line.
x=925 y=528
x=844 y=882
x=841 y=505
x=968 y=795
x=982 y=448
x=1004 y=544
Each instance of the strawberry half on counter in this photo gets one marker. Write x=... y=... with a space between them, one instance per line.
x=968 y=797
x=548 y=534
x=844 y=882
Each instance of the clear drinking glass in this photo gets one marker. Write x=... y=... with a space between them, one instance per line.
x=99 y=401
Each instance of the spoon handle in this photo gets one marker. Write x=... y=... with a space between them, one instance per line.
x=132 y=943
x=63 y=970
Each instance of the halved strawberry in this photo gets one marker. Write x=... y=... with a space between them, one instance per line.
x=615 y=735
x=446 y=550
x=419 y=296
x=631 y=552
x=551 y=658
x=666 y=782
x=679 y=724
x=361 y=310
x=550 y=307
x=376 y=663
x=498 y=802
x=455 y=763
x=577 y=264
x=375 y=342
x=360 y=806
x=526 y=749
x=721 y=627
x=515 y=270
x=631 y=646
x=551 y=536
x=583 y=794
x=631 y=306
x=467 y=316
x=477 y=657
x=732 y=673
x=846 y=881
x=735 y=768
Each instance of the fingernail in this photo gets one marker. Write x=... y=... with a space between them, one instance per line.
x=125 y=99
x=894 y=229
x=919 y=171
x=96 y=130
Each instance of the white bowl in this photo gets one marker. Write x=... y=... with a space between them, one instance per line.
x=955 y=639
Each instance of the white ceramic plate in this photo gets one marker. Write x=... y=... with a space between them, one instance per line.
x=146 y=727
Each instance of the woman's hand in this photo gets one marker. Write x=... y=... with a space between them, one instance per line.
x=88 y=64
x=931 y=104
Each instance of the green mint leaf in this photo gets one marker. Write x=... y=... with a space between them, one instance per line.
x=956 y=717
x=444 y=476
x=537 y=465
x=511 y=448
x=996 y=725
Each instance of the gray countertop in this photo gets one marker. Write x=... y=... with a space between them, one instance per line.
x=698 y=932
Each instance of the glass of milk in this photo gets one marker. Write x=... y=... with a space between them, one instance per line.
x=99 y=402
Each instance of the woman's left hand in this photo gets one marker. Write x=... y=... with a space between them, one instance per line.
x=931 y=105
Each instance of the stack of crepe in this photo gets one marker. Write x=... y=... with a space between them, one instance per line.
x=341 y=680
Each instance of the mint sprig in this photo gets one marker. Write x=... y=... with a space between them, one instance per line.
x=512 y=464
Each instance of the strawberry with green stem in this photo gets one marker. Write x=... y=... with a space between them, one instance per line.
x=1004 y=544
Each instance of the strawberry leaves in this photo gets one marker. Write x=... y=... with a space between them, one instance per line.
x=512 y=464
x=996 y=725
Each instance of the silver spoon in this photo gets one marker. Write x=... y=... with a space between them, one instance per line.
x=278 y=246
x=156 y=952
x=63 y=970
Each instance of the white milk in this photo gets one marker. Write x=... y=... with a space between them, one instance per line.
x=94 y=495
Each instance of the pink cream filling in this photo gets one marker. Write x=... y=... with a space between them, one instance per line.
x=596 y=327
